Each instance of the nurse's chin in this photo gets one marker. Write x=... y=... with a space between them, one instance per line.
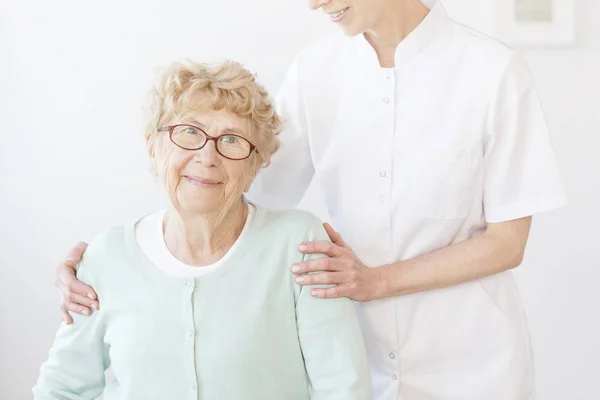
x=351 y=32
x=350 y=29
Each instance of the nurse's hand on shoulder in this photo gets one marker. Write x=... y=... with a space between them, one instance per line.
x=342 y=268
x=75 y=296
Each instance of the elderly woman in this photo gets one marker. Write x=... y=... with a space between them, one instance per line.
x=197 y=300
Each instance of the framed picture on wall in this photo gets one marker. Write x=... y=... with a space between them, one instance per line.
x=536 y=22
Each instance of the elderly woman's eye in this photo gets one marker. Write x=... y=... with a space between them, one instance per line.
x=191 y=130
x=229 y=139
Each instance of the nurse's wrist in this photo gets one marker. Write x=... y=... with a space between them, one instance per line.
x=392 y=280
x=382 y=286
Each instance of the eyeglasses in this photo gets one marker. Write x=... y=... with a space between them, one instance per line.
x=189 y=137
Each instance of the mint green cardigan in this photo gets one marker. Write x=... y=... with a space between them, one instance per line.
x=246 y=331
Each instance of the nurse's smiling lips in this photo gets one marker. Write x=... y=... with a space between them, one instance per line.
x=201 y=182
x=337 y=16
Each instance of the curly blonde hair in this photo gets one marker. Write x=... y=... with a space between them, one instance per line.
x=190 y=86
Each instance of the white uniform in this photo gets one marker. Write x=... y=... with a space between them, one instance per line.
x=412 y=159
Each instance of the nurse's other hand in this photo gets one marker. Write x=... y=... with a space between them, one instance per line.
x=75 y=296
x=351 y=277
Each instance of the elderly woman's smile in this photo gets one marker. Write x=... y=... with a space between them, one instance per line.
x=202 y=182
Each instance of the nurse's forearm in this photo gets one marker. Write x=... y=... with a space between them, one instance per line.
x=500 y=248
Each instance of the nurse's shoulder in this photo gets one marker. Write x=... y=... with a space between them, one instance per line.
x=482 y=52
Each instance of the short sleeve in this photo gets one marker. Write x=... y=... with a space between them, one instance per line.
x=282 y=184
x=521 y=175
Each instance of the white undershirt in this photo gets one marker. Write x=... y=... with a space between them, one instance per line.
x=149 y=235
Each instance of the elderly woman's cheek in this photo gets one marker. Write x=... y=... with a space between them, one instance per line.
x=232 y=191
x=170 y=171
x=250 y=172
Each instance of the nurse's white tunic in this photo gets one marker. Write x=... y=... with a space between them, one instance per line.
x=413 y=159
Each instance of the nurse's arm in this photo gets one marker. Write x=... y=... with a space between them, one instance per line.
x=75 y=296
x=500 y=248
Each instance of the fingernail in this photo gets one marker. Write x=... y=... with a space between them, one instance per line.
x=90 y=296
x=299 y=279
x=85 y=312
x=302 y=247
x=70 y=259
x=94 y=306
x=295 y=268
x=314 y=293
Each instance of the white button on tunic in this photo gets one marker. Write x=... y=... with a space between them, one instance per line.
x=460 y=129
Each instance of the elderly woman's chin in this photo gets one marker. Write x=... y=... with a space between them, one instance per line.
x=201 y=200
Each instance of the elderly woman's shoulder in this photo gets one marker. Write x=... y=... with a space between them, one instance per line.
x=291 y=221
x=110 y=238
x=107 y=245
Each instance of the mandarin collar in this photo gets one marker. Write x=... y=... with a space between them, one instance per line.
x=433 y=26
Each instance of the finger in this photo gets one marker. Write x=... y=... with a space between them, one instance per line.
x=65 y=272
x=75 y=255
x=326 y=278
x=331 y=293
x=76 y=308
x=334 y=235
x=66 y=317
x=70 y=284
x=322 y=264
x=322 y=247
x=82 y=300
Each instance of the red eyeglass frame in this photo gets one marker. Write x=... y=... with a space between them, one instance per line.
x=170 y=129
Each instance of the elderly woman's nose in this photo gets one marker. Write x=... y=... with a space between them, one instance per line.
x=208 y=154
x=316 y=4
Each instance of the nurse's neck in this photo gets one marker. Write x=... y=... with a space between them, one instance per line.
x=399 y=19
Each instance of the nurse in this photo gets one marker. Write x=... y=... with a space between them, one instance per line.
x=430 y=145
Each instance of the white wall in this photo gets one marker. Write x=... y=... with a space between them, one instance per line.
x=73 y=74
